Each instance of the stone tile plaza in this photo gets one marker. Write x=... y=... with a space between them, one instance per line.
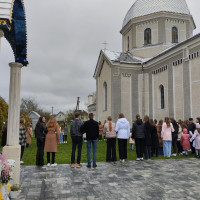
x=147 y=180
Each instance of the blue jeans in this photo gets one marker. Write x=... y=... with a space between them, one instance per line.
x=167 y=146
x=94 y=146
x=61 y=138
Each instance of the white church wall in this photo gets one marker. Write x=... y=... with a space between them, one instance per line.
x=104 y=77
x=195 y=85
x=180 y=25
x=126 y=96
x=178 y=92
x=160 y=79
x=153 y=25
x=143 y=110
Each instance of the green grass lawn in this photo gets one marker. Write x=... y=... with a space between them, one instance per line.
x=63 y=156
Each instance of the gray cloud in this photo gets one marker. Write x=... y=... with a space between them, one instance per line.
x=64 y=41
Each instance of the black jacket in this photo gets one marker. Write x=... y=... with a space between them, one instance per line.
x=192 y=127
x=155 y=142
x=176 y=127
x=75 y=128
x=40 y=131
x=138 y=129
x=148 y=130
x=91 y=128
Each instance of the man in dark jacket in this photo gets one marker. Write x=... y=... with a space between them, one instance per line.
x=77 y=139
x=138 y=135
x=174 y=135
x=91 y=128
x=192 y=128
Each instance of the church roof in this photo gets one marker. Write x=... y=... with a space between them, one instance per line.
x=146 y=7
x=124 y=57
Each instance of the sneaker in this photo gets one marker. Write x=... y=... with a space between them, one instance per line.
x=141 y=159
x=138 y=159
x=21 y=162
x=72 y=165
x=120 y=160
x=94 y=166
x=88 y=166
x=78 y=165
x=123 y=160
x=174 y=154
x=48 y=164
x=53 y=165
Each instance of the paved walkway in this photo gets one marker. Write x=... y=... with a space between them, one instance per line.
x=143 y=180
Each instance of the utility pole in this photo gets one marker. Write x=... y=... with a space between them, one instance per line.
x=77 y=104
x=52 y=110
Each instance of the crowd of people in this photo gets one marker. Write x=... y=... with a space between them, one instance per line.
x=150 y=137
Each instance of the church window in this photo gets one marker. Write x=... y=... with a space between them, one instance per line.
x=105 y=96
x=128 y=43
x=162 y=97
x=174 y=35
x=147 y=36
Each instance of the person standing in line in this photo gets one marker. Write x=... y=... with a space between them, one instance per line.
x=4 y=134
x=166 y=134
x=109 y=130
x=91 y=128
x=51 y=141
x=180 y=149
x=192 y=128
x=100 y=131
x=29 y=135
x=77 y=139
x=159 y=129
x=174 y=135
x=138 y=135
x=148 y=132
x=154 y=139
x=40 y=132
x=65 y=132
x=61 y=134
x=185 y=141
x=22 y=137
x=131 y=142
x=196 y=137
x=122 y=129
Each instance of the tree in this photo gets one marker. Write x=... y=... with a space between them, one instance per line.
x=30 y=104
x=70 y=115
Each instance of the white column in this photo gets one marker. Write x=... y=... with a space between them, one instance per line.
x=13 y=148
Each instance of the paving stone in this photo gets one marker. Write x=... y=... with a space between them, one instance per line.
x=153 y=180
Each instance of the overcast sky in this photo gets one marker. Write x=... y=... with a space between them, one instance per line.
x=64 y=41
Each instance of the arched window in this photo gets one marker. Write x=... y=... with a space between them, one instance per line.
x=147 y=36
x=105 y=96
x=174 y=35
x=162 y=96
x=128 y=43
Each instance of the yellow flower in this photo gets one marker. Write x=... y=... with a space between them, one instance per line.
x=0 y=196
x=8 y=187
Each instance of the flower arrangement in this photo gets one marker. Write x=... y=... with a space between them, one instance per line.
x=5 y=169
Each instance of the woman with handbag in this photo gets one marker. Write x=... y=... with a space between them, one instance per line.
x=40 y=131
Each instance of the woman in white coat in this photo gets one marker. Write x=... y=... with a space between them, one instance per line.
x=122 y=129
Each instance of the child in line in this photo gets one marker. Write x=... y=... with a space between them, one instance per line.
x=185 y=141
x=196 y=137
x=61 y=134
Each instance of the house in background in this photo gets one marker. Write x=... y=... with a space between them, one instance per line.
x=60 y=117
x=34 y=116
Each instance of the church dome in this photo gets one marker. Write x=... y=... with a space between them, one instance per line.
x=145 y=7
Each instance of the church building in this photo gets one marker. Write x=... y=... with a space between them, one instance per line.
x=158 y=71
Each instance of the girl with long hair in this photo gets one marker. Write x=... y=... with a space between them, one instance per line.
x=166 y=134
x=51 y=140
x=109 y=130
